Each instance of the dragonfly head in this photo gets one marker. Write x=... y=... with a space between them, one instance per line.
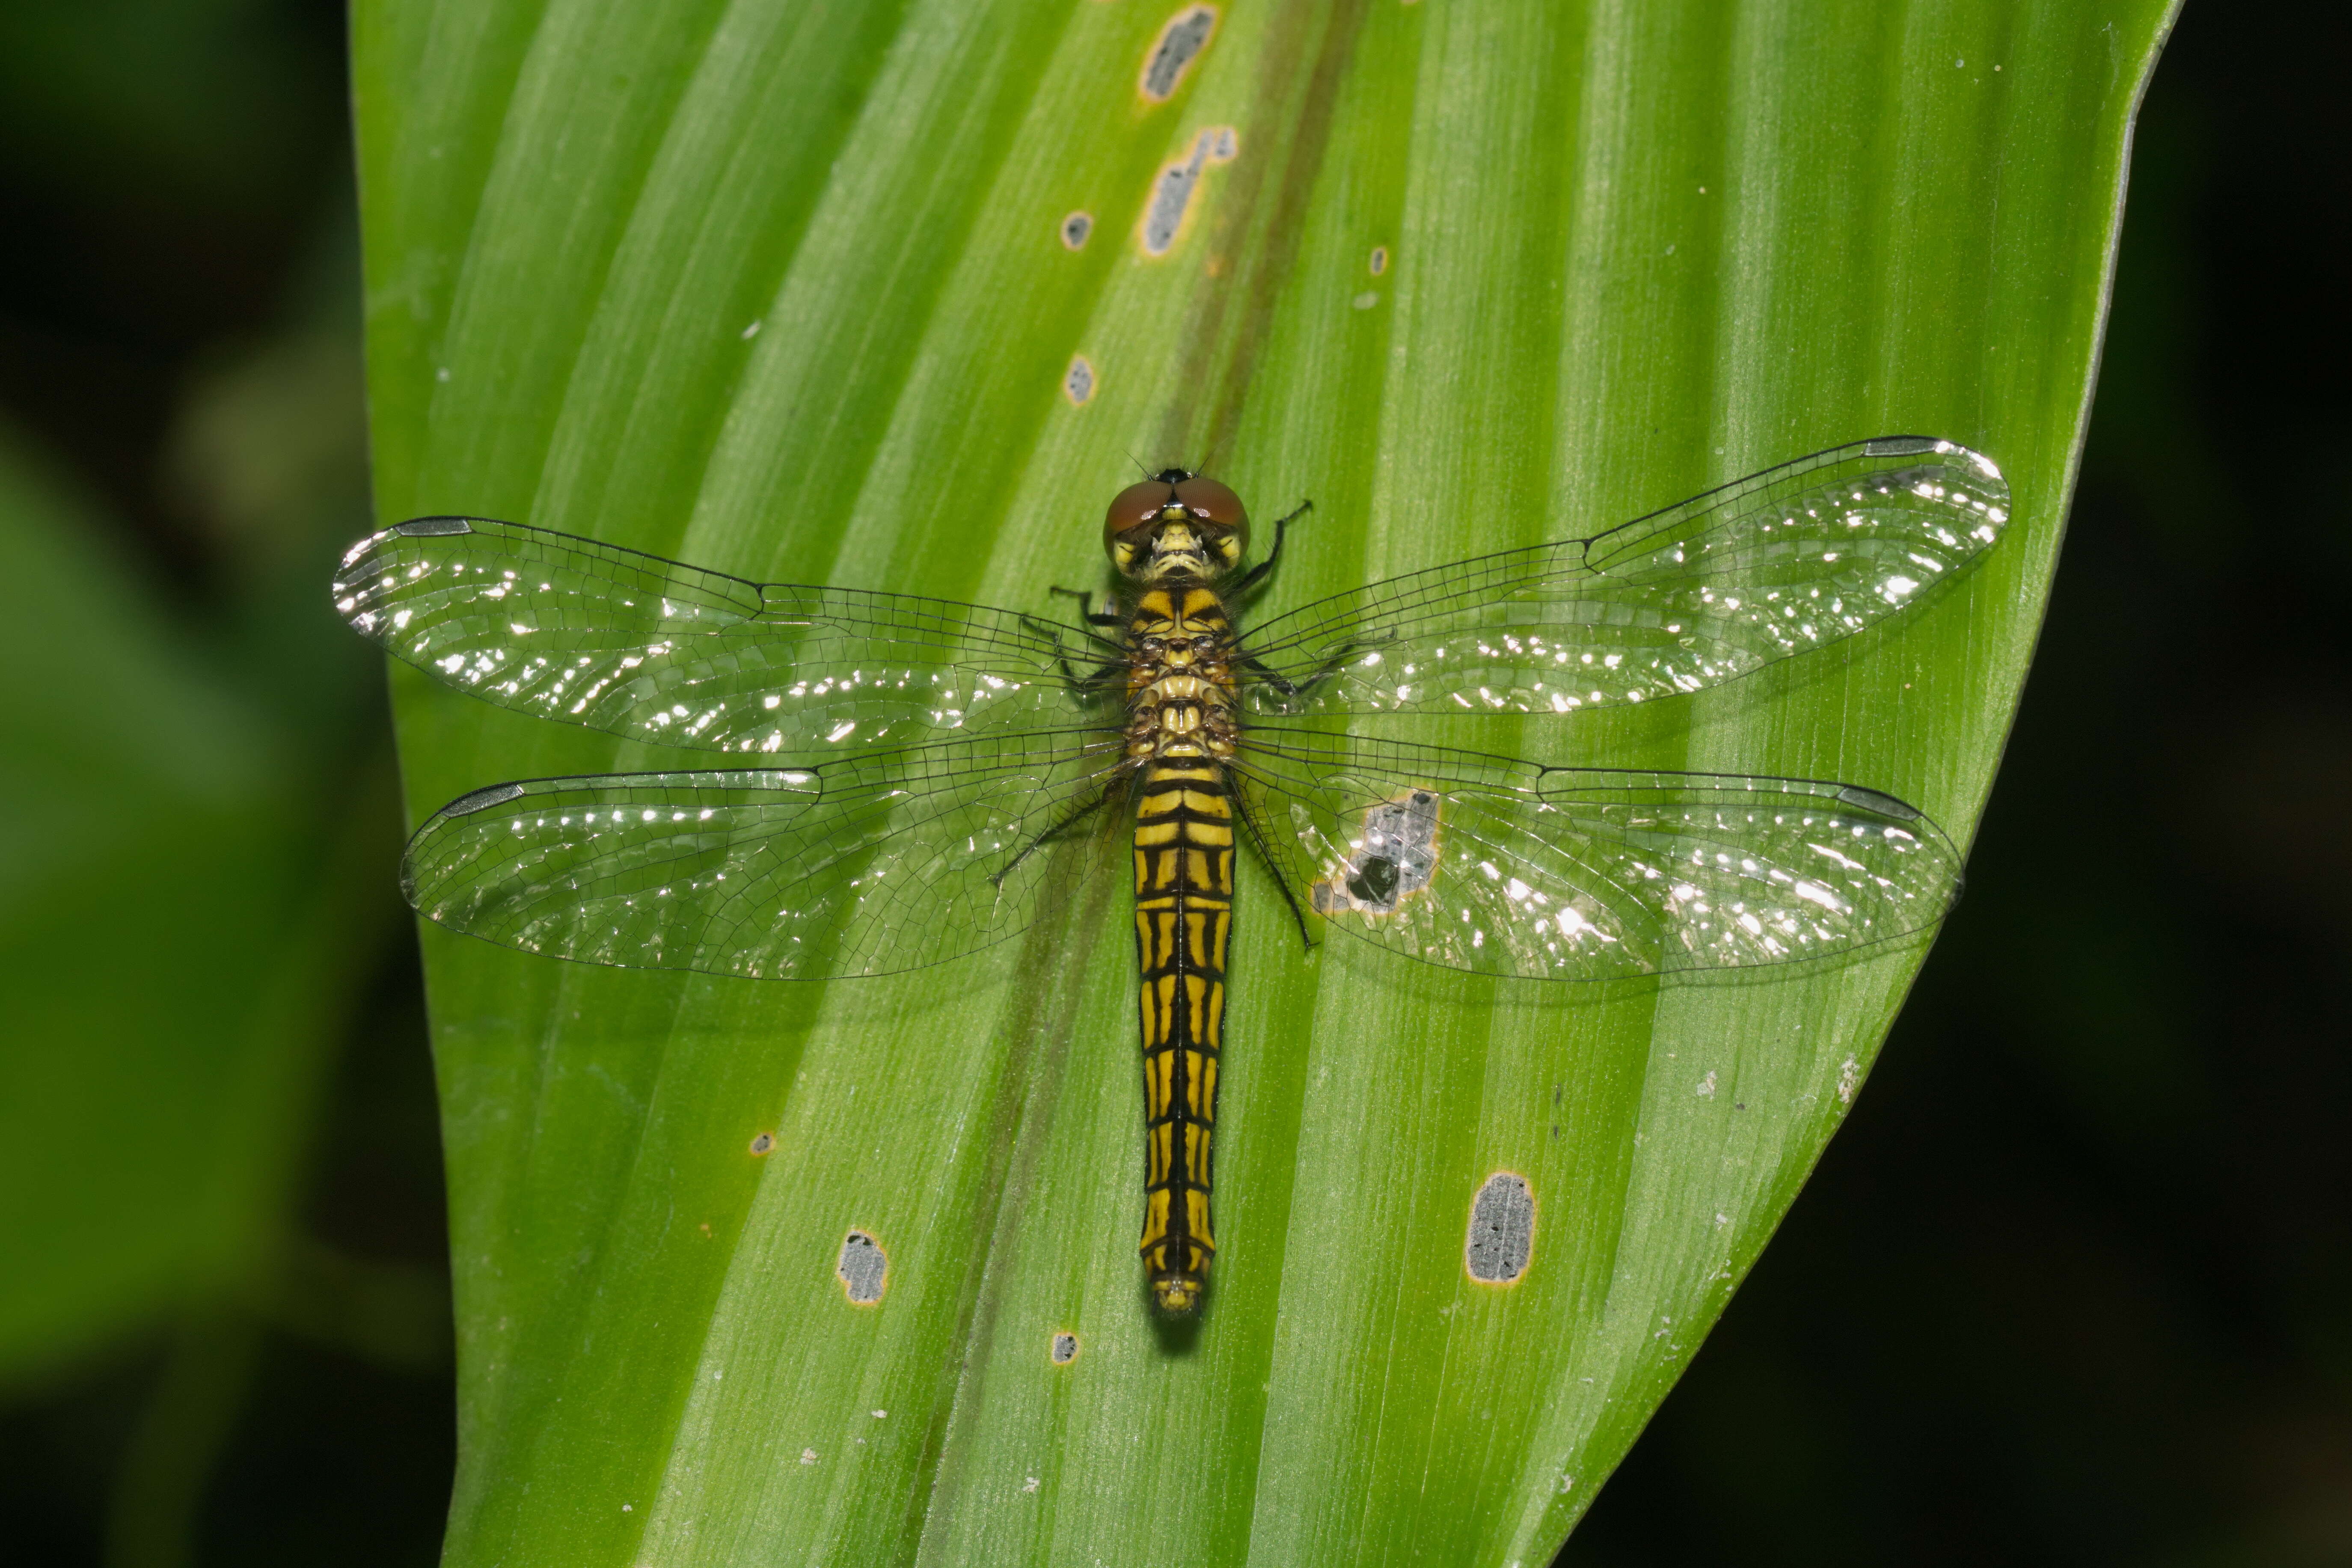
x=1176 y=523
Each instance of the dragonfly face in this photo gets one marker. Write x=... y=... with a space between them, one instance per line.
x=894 y=773
x=1175 y=523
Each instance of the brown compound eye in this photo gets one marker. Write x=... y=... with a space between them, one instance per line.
x=1137 y=506
x=1220 y=511
x=1212 y=502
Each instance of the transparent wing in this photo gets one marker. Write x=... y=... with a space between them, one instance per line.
x=872 y=863
x=618 y=640
x=1689 y=597
x=1504 y=867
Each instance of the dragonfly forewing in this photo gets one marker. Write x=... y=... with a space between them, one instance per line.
x=618 y=640
x=1703 y=593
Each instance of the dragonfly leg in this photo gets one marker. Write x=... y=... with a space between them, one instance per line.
x=1107 y=615
x=1080 y=685
x=1247 y=809
x=1290 y=688
x=1069 y=820
x=1258 y=573
x=1088 y=685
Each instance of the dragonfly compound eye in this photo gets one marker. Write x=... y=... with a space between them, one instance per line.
x=1134 y=511
x=1216 y=505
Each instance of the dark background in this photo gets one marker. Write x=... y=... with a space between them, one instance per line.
x=2072 y=1286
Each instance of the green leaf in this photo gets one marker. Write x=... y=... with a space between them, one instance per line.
x=785 y=291
x=179 y=942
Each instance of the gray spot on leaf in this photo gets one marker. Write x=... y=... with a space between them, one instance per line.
x=863 y=1267
x=1172 y=191
x=1394 y=859
x=1502 y=1230
x=1178 y=45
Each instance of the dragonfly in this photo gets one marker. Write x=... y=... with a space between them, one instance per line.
x=892 y=771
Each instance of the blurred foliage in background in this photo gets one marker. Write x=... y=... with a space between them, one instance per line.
x=2071 y=1286
x=222 y=1297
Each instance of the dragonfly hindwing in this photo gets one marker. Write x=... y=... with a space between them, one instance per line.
x=1504 y=867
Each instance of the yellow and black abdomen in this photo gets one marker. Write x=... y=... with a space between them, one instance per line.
x=1184 y=914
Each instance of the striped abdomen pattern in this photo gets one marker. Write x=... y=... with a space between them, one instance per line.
x=1181 y=734
x=1184 y=914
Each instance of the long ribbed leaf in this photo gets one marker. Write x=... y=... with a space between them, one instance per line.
x=792 y=292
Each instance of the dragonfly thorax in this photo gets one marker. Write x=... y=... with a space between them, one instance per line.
x=1180 y=680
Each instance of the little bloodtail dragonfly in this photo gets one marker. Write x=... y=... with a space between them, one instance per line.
x=891 y=765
